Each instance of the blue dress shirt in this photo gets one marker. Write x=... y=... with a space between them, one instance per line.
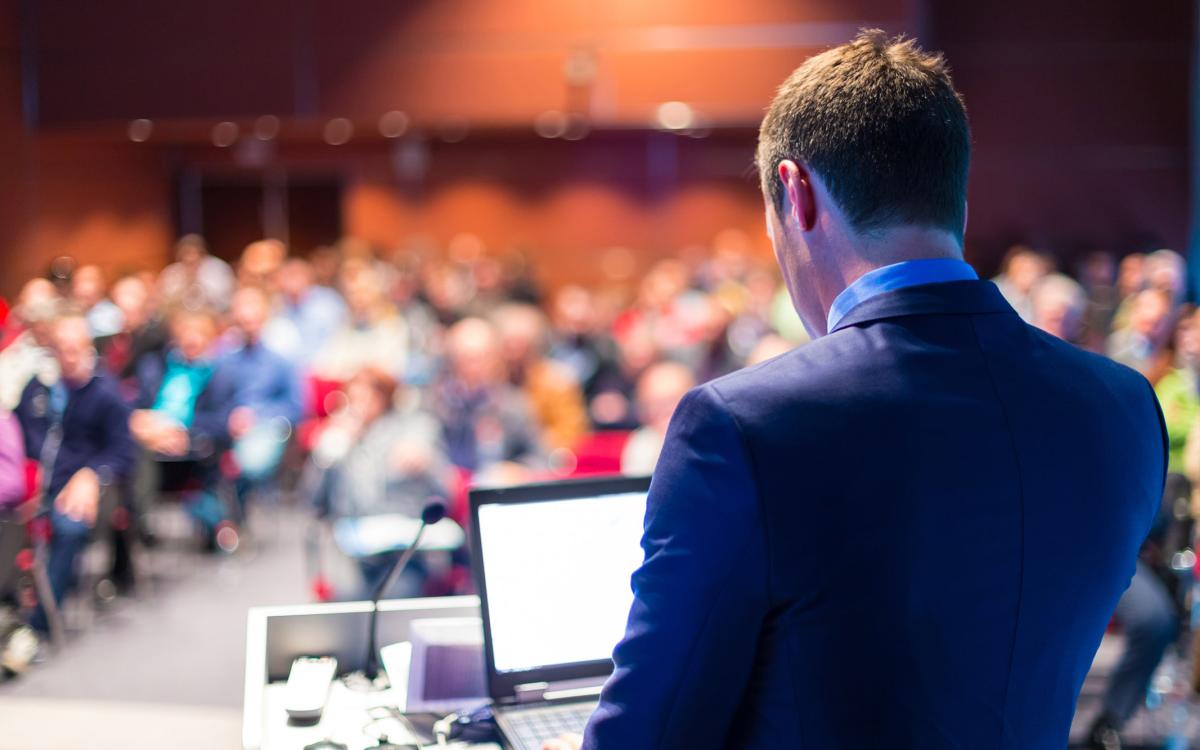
x=898 y=276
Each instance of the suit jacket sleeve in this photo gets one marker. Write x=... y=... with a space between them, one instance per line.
x=700 y=597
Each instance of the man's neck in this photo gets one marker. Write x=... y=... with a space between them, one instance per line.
x=885 y=249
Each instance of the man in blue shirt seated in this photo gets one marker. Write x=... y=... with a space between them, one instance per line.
x=78 y=430
x=181 y=419
x=267 y=402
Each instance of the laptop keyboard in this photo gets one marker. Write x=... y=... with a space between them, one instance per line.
x=528 y=728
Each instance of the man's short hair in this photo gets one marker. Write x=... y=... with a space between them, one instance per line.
x=879 y=121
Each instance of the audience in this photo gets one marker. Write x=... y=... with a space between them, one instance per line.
x=28 y=355
x=266 y=393
x=77 y=429
x=196 y=280
x=89 y=290
x=487 y=421
x=374 y=458
x=374 y=334
x=1057 y=305
x=1145 y=331
x=551 y=388
x=659 y=390
x=306 y=316
x=12 y=462
x=1021 y=270
x=141 y=334
x=182 y=419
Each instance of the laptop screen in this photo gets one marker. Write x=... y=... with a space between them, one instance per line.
x=558 y=577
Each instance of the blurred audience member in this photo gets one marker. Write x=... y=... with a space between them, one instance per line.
x=78 y=430
x=659 y=390
x=1147 y=331
x=1173 y=373
x=29 y=356
x=12 y=462
x=1020 y=271
x=374 y=336
x=260 y=261
x=307 y=317
x=267 y=404
x=1098 y=278
x=196 y=280
x=374 y=459
x=551 y=389
x=182 y=417
x=89 y=291
x=1131 y=279
x=486 y=420
x=142 y=333
x=1167 y=272
x=612 y=408
x=578 y=343
x=1057 y=306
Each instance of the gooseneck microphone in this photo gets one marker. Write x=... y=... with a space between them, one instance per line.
x=433 y=512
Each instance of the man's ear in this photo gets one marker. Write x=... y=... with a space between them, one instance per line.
x=801 y=199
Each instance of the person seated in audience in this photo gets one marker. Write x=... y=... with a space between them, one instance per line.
x=267 y=404
x=485 y=419
x=29 y=356
x=78 y=430
x=1173 y=372
x=1097 y=274
x=89 y=290
x=181 y=420
x=659 y=390
x=1131 y=279
x=260 y=261
x=374 y=334
x=612 y=408
x=142 y=333
x=1145 y=333
x=196 y=280
x=374 y=459
x=1021 y=269
x=1167 y=271
x=578 y=343
x=12 y=462
x=1057 y=306
x=306 y=317
x=550 y=388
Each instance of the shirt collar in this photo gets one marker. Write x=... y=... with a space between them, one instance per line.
x=897 y=276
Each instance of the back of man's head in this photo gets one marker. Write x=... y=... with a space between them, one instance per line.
x=879 y=121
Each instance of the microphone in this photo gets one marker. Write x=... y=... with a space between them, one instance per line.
x=434 y=511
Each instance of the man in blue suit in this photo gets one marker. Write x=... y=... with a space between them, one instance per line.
x=912 y=532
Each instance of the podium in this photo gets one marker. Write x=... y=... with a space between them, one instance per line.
x=275 y=636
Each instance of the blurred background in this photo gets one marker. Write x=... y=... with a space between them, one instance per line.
x=320 y=248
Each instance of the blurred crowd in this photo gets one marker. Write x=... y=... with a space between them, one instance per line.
x=368 y=383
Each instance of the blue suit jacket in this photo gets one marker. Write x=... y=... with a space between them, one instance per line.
x=909 y=534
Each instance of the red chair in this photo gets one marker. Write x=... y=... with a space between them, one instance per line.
x=600 y=453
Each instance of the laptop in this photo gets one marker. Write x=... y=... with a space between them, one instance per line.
x=553 y=564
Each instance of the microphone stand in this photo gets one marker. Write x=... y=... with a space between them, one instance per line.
x=431 y=514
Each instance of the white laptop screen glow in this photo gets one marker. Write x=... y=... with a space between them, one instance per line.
x=558 y=577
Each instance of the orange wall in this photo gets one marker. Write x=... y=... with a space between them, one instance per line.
x=65 y=195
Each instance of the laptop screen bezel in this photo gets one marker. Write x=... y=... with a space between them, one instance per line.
x=502 y=685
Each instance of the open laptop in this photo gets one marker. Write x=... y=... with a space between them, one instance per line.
x=553 y=564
